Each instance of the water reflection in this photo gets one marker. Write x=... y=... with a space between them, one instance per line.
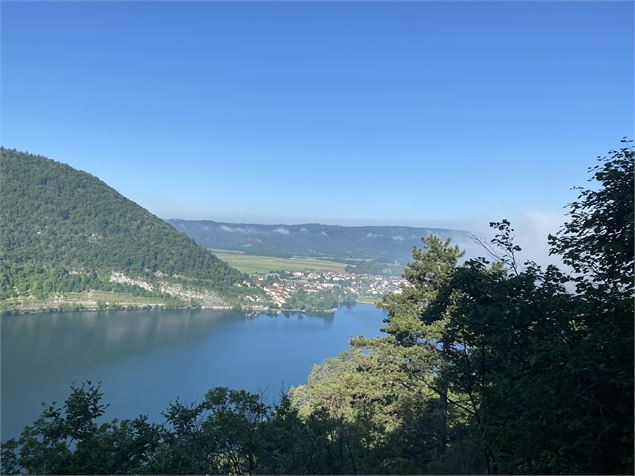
x=145 y=358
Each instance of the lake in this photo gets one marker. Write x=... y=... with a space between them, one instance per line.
x=144 y=359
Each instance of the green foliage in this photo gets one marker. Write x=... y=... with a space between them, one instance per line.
x=597 y=242
x=381 y=391
x=69 y=440
x=63 y=230
x=514 y=372
x=229 y=432
x=547 y=374
x=486 y=367
x=428 y=271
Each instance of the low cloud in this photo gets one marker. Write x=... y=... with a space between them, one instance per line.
x=281 y=230
x=235 y=229
x=532 y=231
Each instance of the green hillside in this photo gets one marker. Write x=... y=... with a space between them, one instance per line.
x=63 y=230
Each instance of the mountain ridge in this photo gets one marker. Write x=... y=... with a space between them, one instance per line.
x=384 y=243
x=63 y=230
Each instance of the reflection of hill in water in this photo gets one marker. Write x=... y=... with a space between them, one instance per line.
x=326 y=317
x=147 y=358
x=86 y=339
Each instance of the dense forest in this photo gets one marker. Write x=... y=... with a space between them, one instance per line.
x=486 y=366
x=63 y=230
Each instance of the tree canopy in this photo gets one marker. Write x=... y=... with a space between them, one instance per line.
x=65 y=230
x=487 y=366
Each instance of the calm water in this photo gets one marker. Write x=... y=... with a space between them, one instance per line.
x=146 y=358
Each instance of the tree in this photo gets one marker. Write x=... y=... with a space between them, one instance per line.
x=408 y=321
x=597 y=242
x=486 y=367
x=68 y=440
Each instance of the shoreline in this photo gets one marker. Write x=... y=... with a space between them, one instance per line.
x=77 y=307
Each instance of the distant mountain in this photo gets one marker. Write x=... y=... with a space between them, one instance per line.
x=379 y=243
x=63 y=230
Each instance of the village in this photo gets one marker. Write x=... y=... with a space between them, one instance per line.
x=284 y=287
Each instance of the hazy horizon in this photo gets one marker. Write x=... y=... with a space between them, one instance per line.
x=445 y=115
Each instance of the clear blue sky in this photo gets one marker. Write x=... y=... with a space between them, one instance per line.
x=446 y=114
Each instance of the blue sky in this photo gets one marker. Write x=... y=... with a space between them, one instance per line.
x=416 y=113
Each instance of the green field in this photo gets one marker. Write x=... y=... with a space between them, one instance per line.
x=252 y=264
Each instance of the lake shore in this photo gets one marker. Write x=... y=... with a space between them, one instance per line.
x=101 y=301
x=104 y=301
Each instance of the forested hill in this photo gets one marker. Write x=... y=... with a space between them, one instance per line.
x=65 y=230
x=483 y=368
x=380 y=243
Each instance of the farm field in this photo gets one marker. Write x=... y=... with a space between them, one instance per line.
x=253 y=264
